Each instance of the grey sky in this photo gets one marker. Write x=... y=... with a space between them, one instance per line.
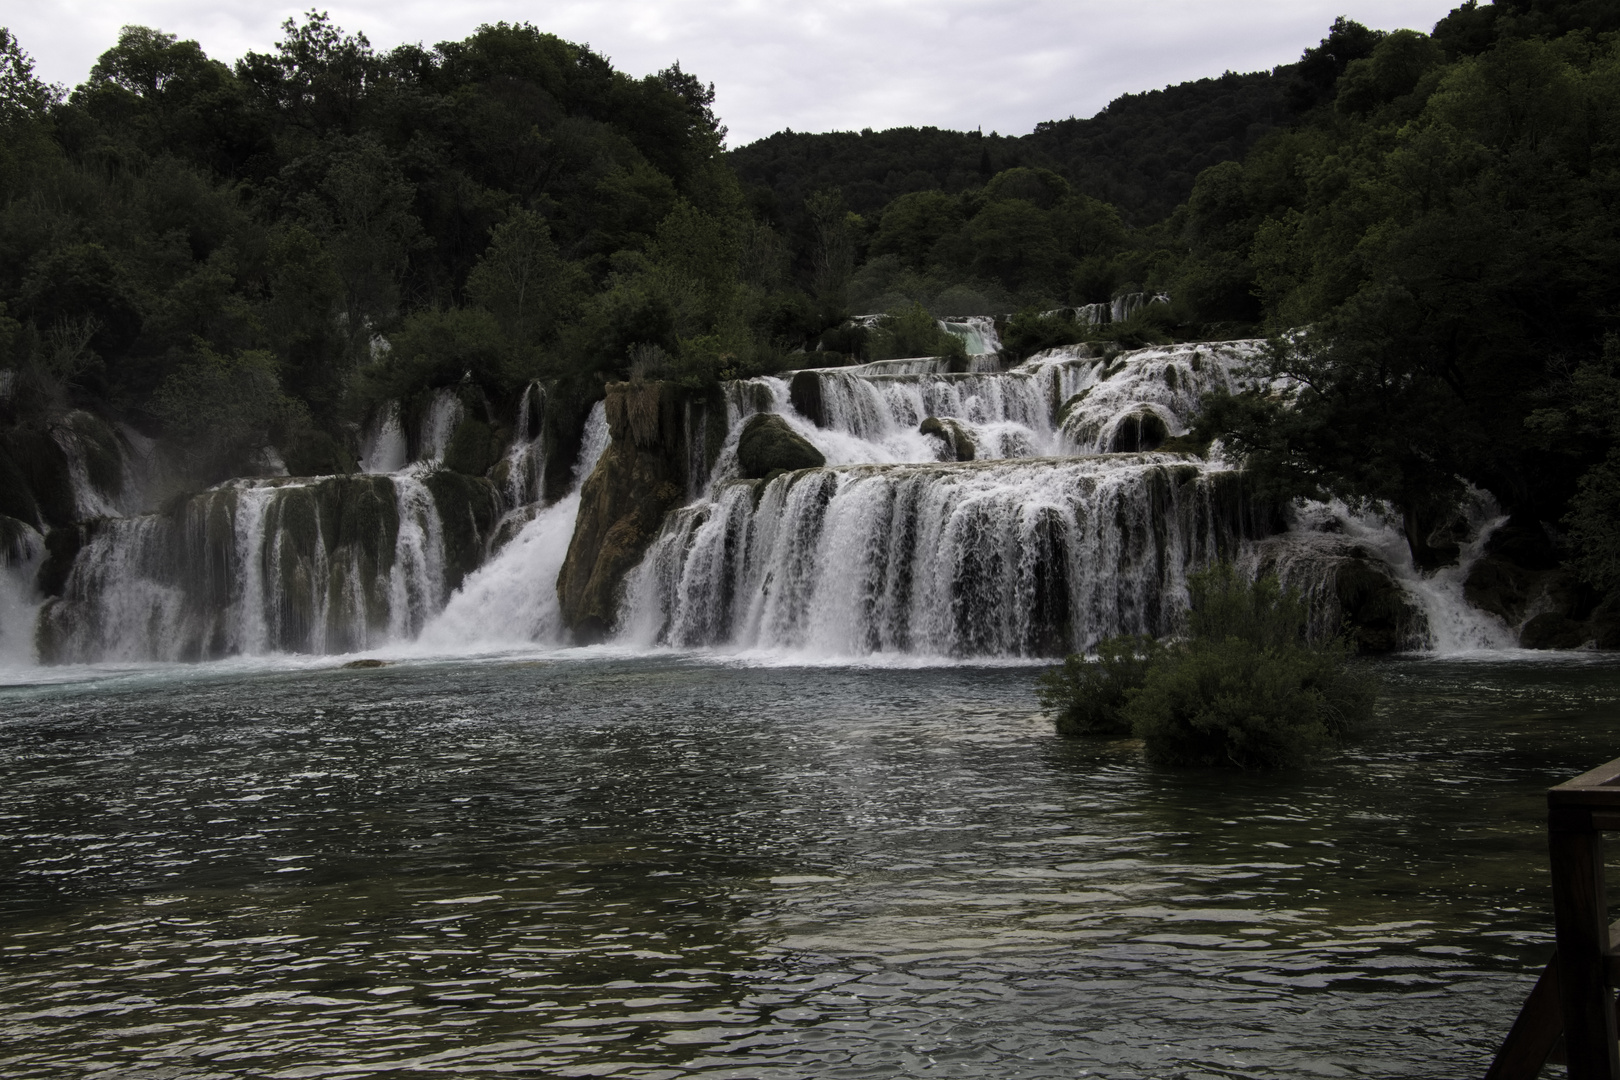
x=816 y=65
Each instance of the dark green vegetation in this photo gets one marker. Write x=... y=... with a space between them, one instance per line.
x=1244 y=687
x=235 y=257
x=1088 y=697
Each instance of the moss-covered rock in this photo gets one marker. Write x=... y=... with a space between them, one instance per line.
x=1378 y=617
x=468 y=510
x=804 y=392
x=20 y=542
x=959 y=444
x=1143 y=429
x=1553 y=630
x=622 y=506
x=62 y=546
x=1501 y=587
x=641 y=476
x=1067 y=408
x=473 y=448
x=767 y=443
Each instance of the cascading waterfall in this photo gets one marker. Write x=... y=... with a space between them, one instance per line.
x=1064 y=527
x=384 y=449
x=986 y=513
x=1013 y=558
x=327 y=564
x=512 y=599
x=313 y=565
x=1059 y=403
x=1030 y=549
x=21 y=548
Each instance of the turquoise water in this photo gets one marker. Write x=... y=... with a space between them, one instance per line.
x=672 y=867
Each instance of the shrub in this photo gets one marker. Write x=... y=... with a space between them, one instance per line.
x=1088 y=696
x=1245 y=687
x=911 y=331
x=1230 y=702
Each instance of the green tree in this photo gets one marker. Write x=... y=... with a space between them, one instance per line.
x=227 y=408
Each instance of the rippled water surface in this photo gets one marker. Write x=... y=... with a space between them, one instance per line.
x=672 y=867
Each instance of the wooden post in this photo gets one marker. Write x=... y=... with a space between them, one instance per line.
x=1578 y=812
x=1580 y=917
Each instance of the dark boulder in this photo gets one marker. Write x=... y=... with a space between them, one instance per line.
x=767 y=443
x=1378 y=617
x=1553 y=630
x=1141 y=430
x=804 y=392
x=959 y=445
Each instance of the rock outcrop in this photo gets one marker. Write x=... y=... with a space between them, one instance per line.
x=641 y=476
x=1521 y=580
x=767 y=444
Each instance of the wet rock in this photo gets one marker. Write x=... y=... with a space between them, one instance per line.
x=958 y=444
x=1141 y=430
x=1502 y=587
x=768 y=443
x=640 y=477
x=1377 y=615
x=804 y=392
x=1553 y=630
x=358 y=665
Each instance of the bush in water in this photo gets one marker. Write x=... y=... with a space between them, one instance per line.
x=1088 y=696
x=1245 y=687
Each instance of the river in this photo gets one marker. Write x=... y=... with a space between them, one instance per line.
x=590 y=864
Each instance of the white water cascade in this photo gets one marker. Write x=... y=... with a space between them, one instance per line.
x=512 y=599
x=328 y=564
x=968 y=514
x=986 y=514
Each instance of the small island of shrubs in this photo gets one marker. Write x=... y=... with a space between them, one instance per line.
x=1245 y=686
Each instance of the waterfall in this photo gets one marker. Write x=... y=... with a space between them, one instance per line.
x=1062 y=402
x=327 y=564
x=383 y=449
x=524 y=467
x=1012 y=558
x=512 y=599
x=444 y=412
x=978 y=334
x=21 y=549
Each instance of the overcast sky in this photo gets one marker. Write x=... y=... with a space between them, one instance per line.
x=811 y=65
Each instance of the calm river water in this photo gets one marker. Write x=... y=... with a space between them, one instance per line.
x=673 y=867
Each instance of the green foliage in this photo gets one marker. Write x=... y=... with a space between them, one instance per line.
x=1230 y=703
x=228 y=407
x=1031 y=331
x=912 y=331
x=1087 y=696
x=1243 y=687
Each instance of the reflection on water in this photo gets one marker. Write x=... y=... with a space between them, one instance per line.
x=669 y=868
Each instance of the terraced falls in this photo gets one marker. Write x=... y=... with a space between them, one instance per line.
x=895 y=508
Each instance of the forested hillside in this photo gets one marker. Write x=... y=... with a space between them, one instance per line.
x=235 y=257
x=242 y=260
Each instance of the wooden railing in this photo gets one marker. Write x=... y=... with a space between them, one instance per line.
x=1573 y=1002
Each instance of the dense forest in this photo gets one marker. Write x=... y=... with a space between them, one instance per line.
x=243 y=260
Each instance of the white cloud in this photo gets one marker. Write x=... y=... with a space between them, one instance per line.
x=817 y=65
